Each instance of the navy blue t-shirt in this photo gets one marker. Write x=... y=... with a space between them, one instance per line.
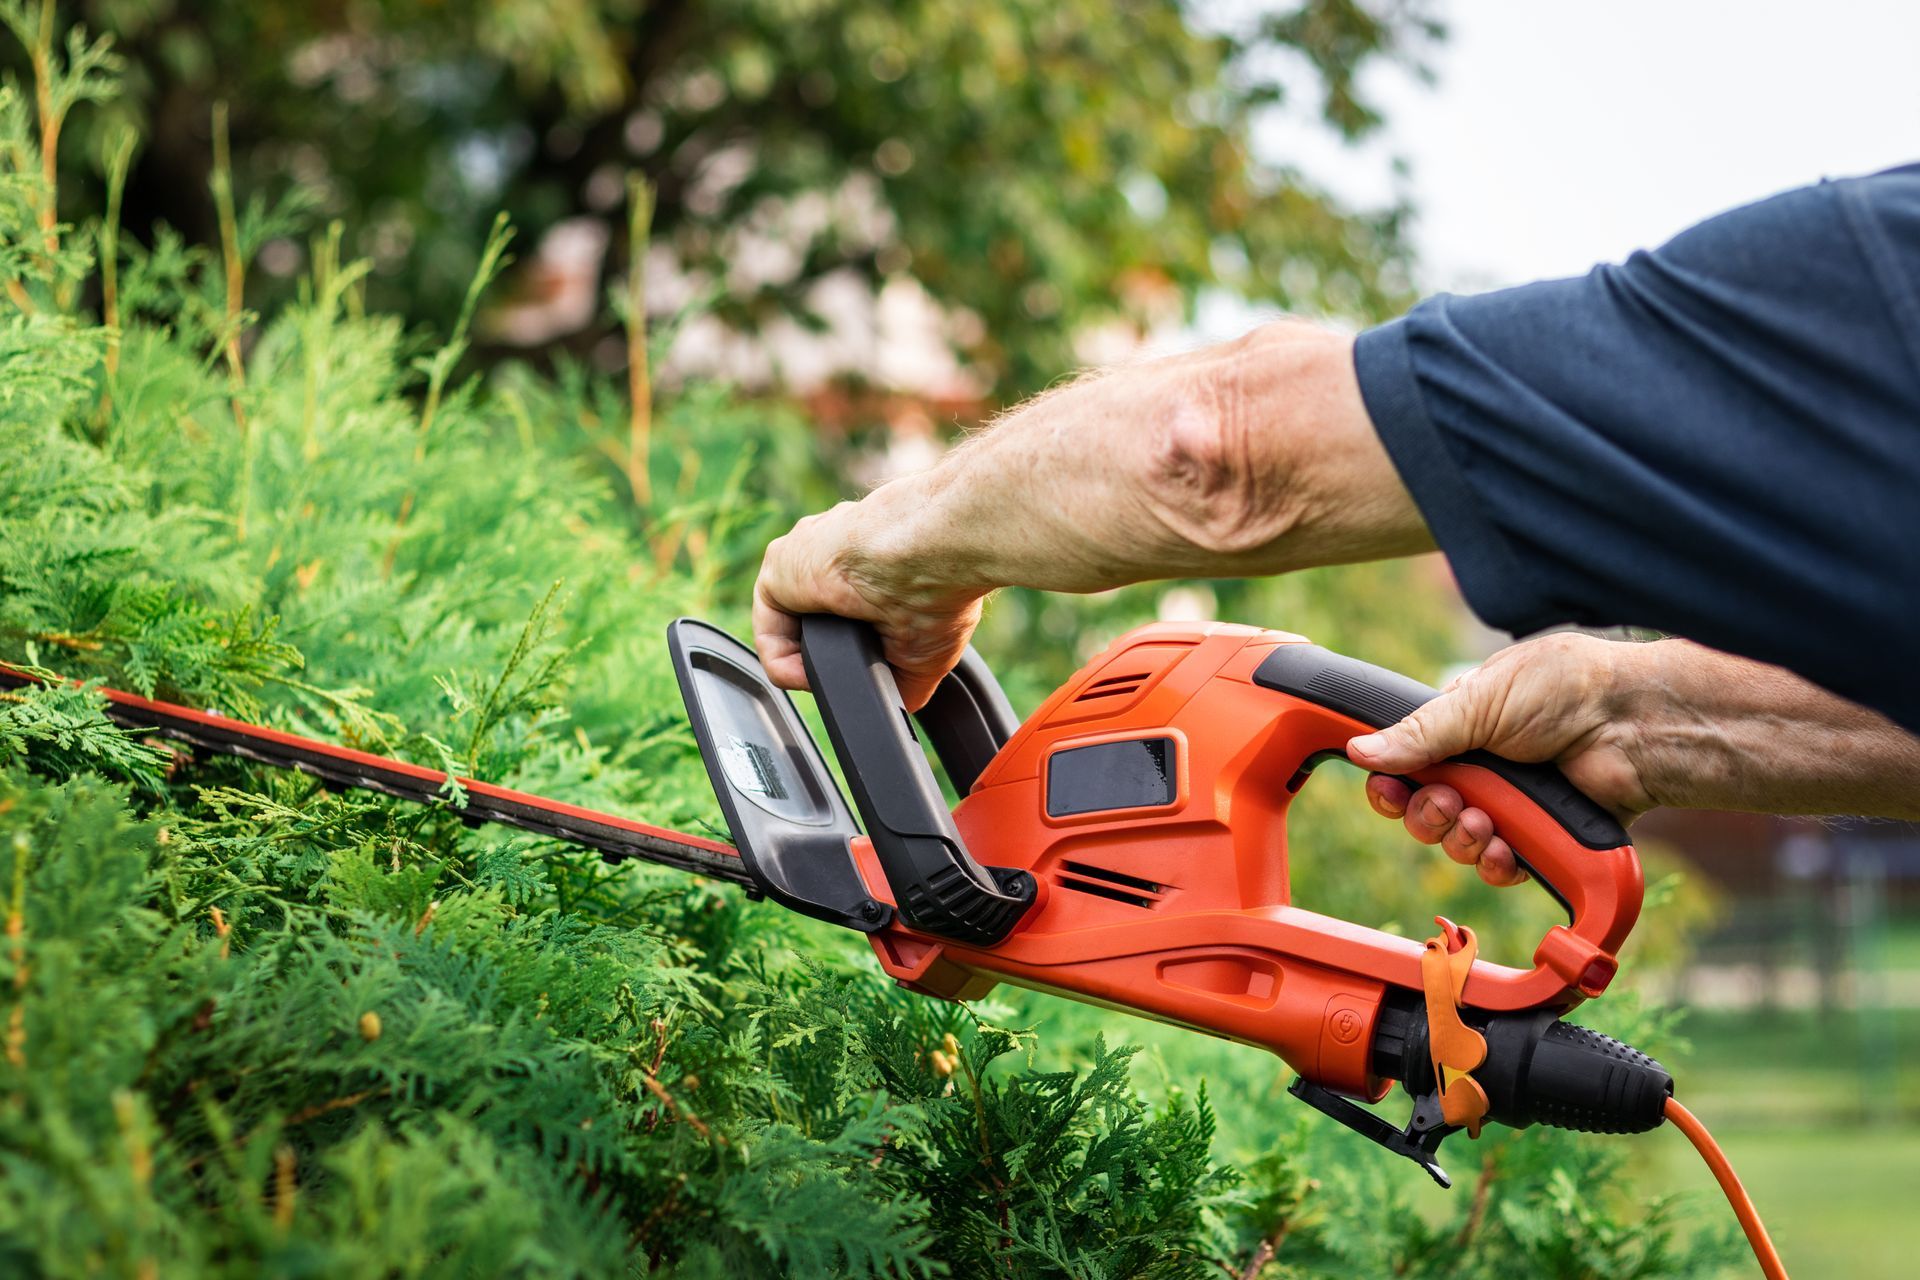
x=1719 y=438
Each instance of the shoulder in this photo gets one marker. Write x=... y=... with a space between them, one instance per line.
x=1822 y=217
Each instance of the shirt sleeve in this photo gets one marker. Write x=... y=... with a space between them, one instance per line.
x=1719 y=438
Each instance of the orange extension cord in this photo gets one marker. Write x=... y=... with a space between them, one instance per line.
x=1685 y=1121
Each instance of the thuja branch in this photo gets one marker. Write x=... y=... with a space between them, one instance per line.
x=987 y=1159
x=87 y=72
x=493 y=260
x=439 y=367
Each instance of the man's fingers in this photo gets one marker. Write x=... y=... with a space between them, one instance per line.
x=776 y=637
x=1438 y=815
x=916 y=689
x=1498 y=866
x=1431 y=813
x=1388 y=796
x=1536 y=701
x=1443 y=727
x=1468 y=840
x=810 y=570
x=923 y=650
x=787 y=587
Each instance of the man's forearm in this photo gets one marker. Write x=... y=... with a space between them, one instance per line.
x=1254 y=456
x=1717 y=731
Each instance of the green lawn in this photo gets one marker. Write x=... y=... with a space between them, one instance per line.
x=1839 y=1202
x=1768 y=1070
x=1900 y=944
x=1821 y=1116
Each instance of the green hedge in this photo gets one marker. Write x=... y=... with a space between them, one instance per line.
x=251 y=1027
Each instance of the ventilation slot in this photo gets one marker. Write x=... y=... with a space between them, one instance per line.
x=1114 y=686
x=1117 y=877
x=1116 y=886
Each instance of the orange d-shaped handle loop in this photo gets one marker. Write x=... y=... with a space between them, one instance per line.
x=1601 y=888
x=1572 y=847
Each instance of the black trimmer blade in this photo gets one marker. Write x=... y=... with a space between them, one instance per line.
x=787 y=816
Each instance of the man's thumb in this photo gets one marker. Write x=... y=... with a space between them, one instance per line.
x=1437 y=730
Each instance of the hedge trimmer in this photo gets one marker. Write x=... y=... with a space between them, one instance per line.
x=1134 y=837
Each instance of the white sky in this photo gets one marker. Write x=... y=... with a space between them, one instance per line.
x=1560 y=134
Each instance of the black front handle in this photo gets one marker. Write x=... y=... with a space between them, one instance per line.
x=967 y=720
x=936 y=883
x=1377 y=697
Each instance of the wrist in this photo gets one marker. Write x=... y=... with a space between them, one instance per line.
x=1694 y=734
x=1048 y=497
x=1637 y=708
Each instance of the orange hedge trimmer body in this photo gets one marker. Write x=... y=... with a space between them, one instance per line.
x=1179 y=904
x=1127 y=846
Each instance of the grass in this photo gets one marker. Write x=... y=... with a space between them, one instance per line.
x=1821 y=1116
x=1770 y=1070
x=1900 y=944
x=1838 y=1201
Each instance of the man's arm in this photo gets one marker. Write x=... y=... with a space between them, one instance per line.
x=1715 y=439
x=1251 y=457
x=1718 y=438
x=1640 y=725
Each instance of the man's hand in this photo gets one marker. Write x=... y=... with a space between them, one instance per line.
x=824 y=566
x=1560 y=698
x=1639 y=725
x=1254 y=456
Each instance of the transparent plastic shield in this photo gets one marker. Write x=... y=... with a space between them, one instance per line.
x=787 y=816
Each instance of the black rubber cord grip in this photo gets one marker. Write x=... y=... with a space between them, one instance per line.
x=1539 y=1070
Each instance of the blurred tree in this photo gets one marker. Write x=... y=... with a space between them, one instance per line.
x=1040 y=167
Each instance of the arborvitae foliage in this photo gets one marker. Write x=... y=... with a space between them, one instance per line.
x=251 y=1027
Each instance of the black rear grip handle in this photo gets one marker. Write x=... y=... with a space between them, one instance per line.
x=936 y=883
x=1377 y=697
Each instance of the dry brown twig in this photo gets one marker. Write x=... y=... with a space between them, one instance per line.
x=1482 y=1195
x=639 y=375
x=236 y=283
x=286 y=1187
x=16 y=1039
